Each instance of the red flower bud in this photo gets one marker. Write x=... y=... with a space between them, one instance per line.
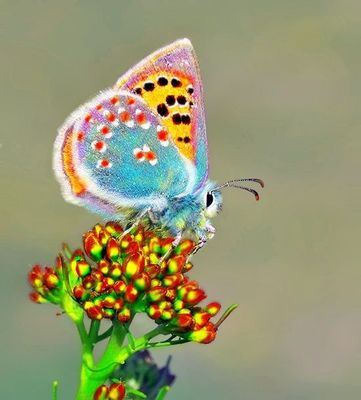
x=131 y=293
x=142 y=281
x=119 y=287
x=172 y=281
x=80 y=293
x=78 y=255
x=114 y=229
x=186 y=287
x=37 y=298
x=185 y=247
x=153 y=258
x=35 y=277
x=124 y=315
x=59 y=264
x=118 y=304
x=82 y=268
x=115 y=270
x=154 y=311
x=183 y=321
x=133 y=247
x=89 y=282
x=175 y=264
x=194 y=296
x=103 y=266
x=108 y=301
x=201 y=318
x=94 y=312
x=103 y=237
x=165 y=305
x=155 y=282
x=154 y=245
x=101 y=393
x=157 y=293
x=166 y=245
x=92 y=246
x=133 y=265
x=204 y=335
x=178 y=305
x=139 y=236
x=167 y=314
x=129 y=245
x=213 y=308
x=113 y=249
x=116 y=391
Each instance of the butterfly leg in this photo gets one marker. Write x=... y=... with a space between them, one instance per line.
x=175 y=243
x=197 y=247
x=154 y=219
x=210 y=231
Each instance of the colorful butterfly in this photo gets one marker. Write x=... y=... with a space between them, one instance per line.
x=140 y=148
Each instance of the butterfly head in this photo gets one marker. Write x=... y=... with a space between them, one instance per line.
x=211 y=200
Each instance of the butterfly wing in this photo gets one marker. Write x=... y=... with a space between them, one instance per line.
x=114 y=153
x=169 y=82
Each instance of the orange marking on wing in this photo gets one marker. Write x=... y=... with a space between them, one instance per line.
x=178 y=117
x=141 y=118
x=77 y=185
x=124 y=116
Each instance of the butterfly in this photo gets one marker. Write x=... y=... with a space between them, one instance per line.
x=139 y=148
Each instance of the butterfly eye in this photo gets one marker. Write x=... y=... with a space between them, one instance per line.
x=209 y=199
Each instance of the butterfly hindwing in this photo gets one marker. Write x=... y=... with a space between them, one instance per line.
x=170 y=84
x=114 y=152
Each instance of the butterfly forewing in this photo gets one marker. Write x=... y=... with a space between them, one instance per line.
x=170 y=84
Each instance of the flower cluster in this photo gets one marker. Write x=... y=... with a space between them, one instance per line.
x=47 y=283
x=116 y=391
x=120 y=273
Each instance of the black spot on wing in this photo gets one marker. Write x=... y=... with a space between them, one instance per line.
x=162 y=110
x=162 y=81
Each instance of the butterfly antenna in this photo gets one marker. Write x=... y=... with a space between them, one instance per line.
x=259 y=181
x=234 y=183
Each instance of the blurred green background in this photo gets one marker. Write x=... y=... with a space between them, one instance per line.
x=283 y=92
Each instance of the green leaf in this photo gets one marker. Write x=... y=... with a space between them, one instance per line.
x=162 y=393
x=136 y=393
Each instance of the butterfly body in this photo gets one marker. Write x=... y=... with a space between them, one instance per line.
x=140 y=148
x=189 y=214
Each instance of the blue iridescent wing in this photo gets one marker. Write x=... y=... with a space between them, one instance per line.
x=114 y=153
x=169 y=81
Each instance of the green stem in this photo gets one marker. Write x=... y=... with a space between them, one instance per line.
x=82 y=333
x=92 y=376
x=116 y=353
x=104 y=335
x=225 y=315
x=55 y=390
x=167 y=343
x=93 y=331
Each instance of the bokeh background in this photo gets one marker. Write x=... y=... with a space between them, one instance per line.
x=282 y=87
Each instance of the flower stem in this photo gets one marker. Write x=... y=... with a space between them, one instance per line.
x=104 y=335
x=93 y=375
x=55 y=390
x=93 y=331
